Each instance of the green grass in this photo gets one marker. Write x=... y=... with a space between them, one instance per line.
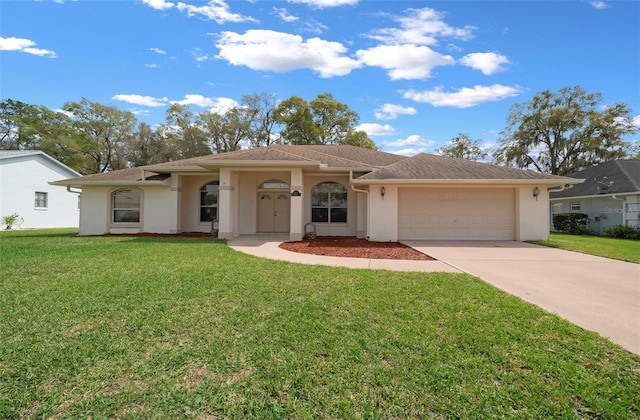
x=618 y=249
x=126 y=327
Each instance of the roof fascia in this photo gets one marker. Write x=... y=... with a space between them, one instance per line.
x=115 y=183
x=576 y=197
x=259 y=164
x=550 y=182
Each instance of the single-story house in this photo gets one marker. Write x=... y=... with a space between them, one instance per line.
x=339 y=190
x=25 y=190
x=610 y=195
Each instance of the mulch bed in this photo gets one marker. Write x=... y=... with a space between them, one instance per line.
x=338 y=246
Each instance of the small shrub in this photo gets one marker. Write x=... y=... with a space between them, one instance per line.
x=573 y=223
x=10 y=220
x=622 y=232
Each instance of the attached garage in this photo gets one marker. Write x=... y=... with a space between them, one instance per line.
x=456 y=213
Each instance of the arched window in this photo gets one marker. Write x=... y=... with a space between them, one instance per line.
x=209 y=201
x=329 y=203
x=273 y=184
x=126 y=206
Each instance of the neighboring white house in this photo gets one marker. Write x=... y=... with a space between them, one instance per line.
x=610 y=195
x=342 y=190
x=24 y=189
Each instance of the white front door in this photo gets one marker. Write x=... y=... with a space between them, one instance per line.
x=274 y=211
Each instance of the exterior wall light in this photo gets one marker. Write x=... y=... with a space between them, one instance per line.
x=382 y=192
x=536 y=192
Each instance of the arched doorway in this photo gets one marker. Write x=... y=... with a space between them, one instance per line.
x=274 y=207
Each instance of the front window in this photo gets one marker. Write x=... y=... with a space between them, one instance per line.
x=575 y=206
x=557 y=208
x=329 y=203
x=126 y=206
x=209 y=202
x=41 y=200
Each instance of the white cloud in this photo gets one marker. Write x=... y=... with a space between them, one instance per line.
x=283 y=14
x=463 y=98
x=222 y=105
x=197 y=100
x=391 y=111
x=487 y=63
x=421 y=27
x=217 y=105
x=157 y=50
x=199 y=56
x=636 y=121
x=405 y=61
x=321 y=4
x=281 y=52
x=25 y=46
x=217 y=10
x=374 y=129
x=158 y=4
x=141 y=100
x=152 y=66
x=599 y=4
x=414 y=140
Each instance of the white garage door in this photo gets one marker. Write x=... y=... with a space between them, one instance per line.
x=480 y=214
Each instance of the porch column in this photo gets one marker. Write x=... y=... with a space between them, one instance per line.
x=225 y=215
x=296 y=228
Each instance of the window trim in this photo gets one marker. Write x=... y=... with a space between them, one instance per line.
x=112 y=207
x=329 y=207
x=36 y=200
x=576 y=204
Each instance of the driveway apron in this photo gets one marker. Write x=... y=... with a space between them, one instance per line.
x=598 y=294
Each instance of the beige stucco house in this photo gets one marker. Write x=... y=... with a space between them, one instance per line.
x=342 y=190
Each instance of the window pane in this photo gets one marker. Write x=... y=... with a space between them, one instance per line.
x=126 y=199
x=319 y=199
x=274 y=184
x=208 y=199
x=208 y=214
x=126 y=216
x=339 y=200
x=339 y=215
x=41 y=199
x=319 y=215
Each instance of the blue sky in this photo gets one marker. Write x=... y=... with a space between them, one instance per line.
x=417 y=72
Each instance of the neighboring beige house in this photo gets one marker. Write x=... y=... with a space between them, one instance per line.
x=610 y=195
x=342 y=190
x=25 y=190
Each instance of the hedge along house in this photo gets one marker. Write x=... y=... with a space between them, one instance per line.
x=342 y=190
x=610 y=195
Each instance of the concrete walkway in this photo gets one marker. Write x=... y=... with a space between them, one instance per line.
x=598 y=294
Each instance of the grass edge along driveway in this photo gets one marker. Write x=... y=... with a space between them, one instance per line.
x=137 y=327
x=617 y=249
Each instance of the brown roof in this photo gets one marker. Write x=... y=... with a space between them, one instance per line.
x=131 y=174
x=331 y=156
x=426 y=166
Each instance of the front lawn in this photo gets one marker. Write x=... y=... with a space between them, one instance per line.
x=149 y=327
x=618 y=249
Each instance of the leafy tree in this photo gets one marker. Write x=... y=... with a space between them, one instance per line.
x=463 y=147
x=226 y=132
x=146 y=147
x=101 y=132
x=321 y=121
x=563 y=132
x=18 y=122
x=261 y=112
x=183 y=134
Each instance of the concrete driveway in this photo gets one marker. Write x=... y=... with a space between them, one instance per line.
x=598 y=294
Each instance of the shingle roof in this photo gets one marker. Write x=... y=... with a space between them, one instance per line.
x=332 y=156
x=612 y=177
x=130 y=174
x=433 y=167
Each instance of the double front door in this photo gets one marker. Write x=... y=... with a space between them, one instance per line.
x=274 y=211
